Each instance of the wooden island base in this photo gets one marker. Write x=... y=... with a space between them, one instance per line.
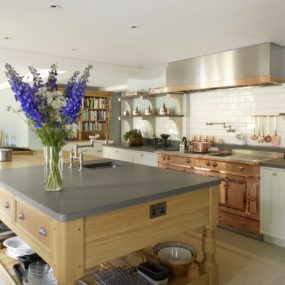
x=75 y=247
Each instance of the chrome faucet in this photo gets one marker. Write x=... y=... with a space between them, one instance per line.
x=75 y=154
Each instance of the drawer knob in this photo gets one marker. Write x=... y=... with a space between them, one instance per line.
x=274 y=173
x=42 y=232
x=6 y=205
x=163 y=158
x=21 y=216
x=188 y=160
x=168 y=158
x=241 y=168
x=141 y=154
x=208 y=163
x=215 y=164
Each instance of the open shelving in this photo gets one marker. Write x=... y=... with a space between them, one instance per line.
x=95 y=114
x=153 y=100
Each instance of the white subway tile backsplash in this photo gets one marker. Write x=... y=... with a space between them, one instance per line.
x=236 y=107
x=233 y=106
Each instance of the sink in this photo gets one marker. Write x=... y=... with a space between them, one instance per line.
x=221 y=154
x=105 y=164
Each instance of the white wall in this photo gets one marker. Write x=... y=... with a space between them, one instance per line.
x=233 y=106
x=14 y=128
x=236 y=107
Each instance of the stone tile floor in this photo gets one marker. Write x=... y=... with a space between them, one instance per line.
x=245 y=261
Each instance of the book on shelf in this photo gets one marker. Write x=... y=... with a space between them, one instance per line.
x=96 y=115
x=96 y=103
x=95 y=126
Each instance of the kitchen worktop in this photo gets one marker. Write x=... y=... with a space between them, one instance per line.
x=277 y=163
x=145 y=147
x=254 y=158
x=94 y=191
x=239 y=158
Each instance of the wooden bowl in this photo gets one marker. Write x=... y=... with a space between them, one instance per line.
x=176 y=256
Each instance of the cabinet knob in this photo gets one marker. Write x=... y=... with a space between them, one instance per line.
x=188 y=160
x=215 y=164
x=274 y=173
x=241 y=168
x=42 y=232
x=208 y=163
x=21 y=216
x=168 y=158
x=163 y=158
x=6 y=205
x=141 y=154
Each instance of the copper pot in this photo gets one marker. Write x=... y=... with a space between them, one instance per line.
x=201 y=147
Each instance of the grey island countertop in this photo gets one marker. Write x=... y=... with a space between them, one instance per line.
x=94 y=191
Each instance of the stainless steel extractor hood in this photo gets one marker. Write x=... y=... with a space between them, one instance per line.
x=261 y=64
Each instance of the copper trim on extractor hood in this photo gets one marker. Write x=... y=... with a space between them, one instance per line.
x=262 y=64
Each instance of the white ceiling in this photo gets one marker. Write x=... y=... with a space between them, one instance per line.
x=99 y=29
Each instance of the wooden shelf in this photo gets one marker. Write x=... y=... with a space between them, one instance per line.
x=95 y=109
x=88 y=111
x=151 y=116
x=154 y=94
x=131 y=97
x=94 y=121
x=94 y=131
x=7 y=274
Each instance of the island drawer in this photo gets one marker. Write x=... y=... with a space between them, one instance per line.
x=33 y=223
x=6 y=206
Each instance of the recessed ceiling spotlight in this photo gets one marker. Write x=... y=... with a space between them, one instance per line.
x=134 y=27
x=55 y=6
x=74 y=49
x=7 y=38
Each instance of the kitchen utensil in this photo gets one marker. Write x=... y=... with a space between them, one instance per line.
x=260 y=138
x=201 y=147
x=176 y=256
x=262 y=129
x=5 y=154
x=268 y=137
x=275 y=140
x=16 y=247
x=119 y=276
x=39 y=273
x=254 y=137
x=153 y=272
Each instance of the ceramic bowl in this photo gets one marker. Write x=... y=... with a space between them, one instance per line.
x=17 y=247
x=176 y=256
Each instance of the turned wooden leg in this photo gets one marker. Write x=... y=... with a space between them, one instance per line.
x=209 y=264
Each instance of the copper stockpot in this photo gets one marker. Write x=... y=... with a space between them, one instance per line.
x=200 y=147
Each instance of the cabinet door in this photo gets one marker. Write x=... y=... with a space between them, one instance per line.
x=273 y=200
x=97 y=150
x=252 y=210
x=117 y=153
x=145 y=158
x=233 y=194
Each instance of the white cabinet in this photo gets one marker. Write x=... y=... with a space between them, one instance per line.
x=273 y=205
x=134 y=156
x=145 y=158
x=117 y=153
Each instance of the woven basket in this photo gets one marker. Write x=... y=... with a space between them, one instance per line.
x=135 y=140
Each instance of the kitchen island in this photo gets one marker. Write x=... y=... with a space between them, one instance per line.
x=105 y=213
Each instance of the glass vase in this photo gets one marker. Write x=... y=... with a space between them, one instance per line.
x=53 y=168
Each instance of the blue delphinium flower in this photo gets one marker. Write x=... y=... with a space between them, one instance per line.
x=74 y=92
x=48 y=110
x=25 y=94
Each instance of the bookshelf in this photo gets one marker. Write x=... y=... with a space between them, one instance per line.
x=95 y=114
